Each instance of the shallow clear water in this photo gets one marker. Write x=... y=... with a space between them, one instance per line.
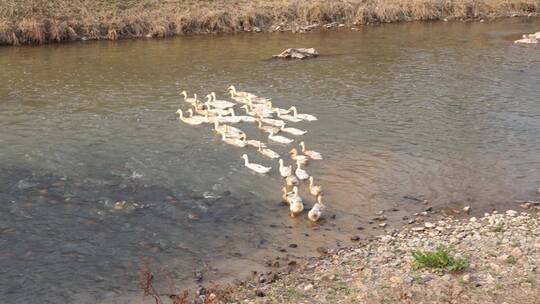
x=446 y=112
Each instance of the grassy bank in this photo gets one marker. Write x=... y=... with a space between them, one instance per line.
x=44 y=21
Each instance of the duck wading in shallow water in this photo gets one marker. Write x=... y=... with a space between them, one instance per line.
x=270 y=119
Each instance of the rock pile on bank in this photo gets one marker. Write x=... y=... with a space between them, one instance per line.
x=529 y=39
x=502 y=250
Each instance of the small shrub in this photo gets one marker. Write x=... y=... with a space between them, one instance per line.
x=499 y=228
x=439 y=261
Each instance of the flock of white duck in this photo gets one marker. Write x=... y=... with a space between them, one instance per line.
x=268 y=119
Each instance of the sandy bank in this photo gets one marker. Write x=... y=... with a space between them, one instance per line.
x=36 y=22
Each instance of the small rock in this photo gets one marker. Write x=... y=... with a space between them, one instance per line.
x=511 y=213
x=466 y=278
x=467 y=209
x=355 y=238
x=538 y=190
x=308 y=287
x=516 y=252
x=429 y=225
x=473 y=219
x=293 y=245
x=322 y=250
x=198 y=276
x=382 y=225
x=417 y=229
x=260 y=293
x=395 y=280
x=525 y=205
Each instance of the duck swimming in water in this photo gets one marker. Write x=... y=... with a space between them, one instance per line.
x=255 y=167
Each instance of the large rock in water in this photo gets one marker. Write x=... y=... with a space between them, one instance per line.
x=297 y=54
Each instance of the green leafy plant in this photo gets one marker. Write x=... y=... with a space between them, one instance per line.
x=439 y=261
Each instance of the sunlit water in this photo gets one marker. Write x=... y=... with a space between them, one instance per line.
x=447 y=112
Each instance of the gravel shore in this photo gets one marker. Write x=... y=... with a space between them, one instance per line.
x=502 y=251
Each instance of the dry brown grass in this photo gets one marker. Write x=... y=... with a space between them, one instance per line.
x=43 y=21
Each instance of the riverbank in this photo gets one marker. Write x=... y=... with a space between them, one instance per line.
x=38 y=22
x=493 y=259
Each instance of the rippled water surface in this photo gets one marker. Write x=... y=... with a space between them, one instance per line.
x=447 y=112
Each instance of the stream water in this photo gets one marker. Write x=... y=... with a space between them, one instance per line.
x=447 y=112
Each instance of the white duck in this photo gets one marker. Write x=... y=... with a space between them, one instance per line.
x=291 y=180
x=234 y=92
x=314 y=190
x=286 y=196
x=276 y=109
x=238 y=98
x=283 y=171
x=255 y=167
x=273 y=122
x=234 y=141
x=312 y=154
x=256 y=99
x=288 y=117
x=259 y=110
x=267 y=152
x=188 y=120
x=215 y=111
x=189 y=100
x=218 y=104
x=254 y=143
x=317 y=210
x=266 y=129
x=307 y=117
x=300 y=173
x=298 y=157
x=203 y=119
x=230 y=131
x=296 y=206
x=242 y=118
x=279 y=138
x=228 y=119
x=293 y=131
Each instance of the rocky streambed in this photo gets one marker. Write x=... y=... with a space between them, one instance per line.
x=501 y=253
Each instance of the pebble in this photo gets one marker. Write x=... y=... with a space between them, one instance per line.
x=511 y=213
x=308 y=287
x=467 y=209
x=429 y=225
x=322 y=250
x=293 y=245
x=473 y=219
x=355 y=238
x=417 y=229
x=538 y=190
x=516 y=252
x=466 y=278
x=260 y=293
x=525 y=205
x=198 y=276
x=382 y=225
